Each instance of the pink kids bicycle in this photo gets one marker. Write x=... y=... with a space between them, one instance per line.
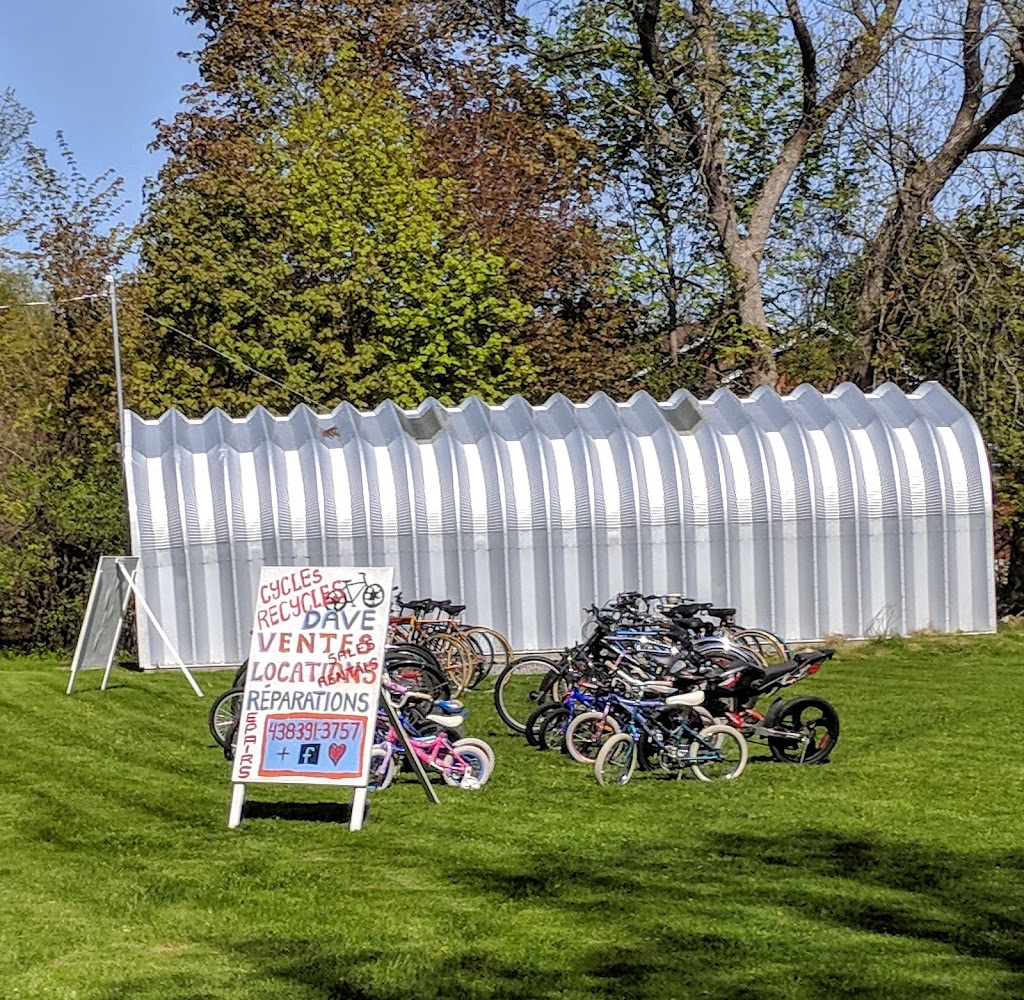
x=463 y=763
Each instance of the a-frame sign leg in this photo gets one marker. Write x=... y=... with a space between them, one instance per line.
x=358 y=815
x=117 y=638
x=237 y=802
x=355 y=821
x=130 y=580
x=410 y=752
x=104 y=617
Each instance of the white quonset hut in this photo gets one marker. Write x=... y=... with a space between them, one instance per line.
x=815 y=515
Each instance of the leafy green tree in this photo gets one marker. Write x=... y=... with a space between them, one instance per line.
x=323 y=256
x=716 y=119
x=527 y=183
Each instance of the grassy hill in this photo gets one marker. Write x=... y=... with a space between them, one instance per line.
x=895 y=871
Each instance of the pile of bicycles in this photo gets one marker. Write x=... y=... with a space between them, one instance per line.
x=464 y=654
x=663 y=683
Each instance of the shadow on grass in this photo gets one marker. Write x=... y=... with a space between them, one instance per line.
x=309 y=812
x=972 y=903
x=737 y=915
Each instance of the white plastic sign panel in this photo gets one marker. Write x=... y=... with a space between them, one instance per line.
x=104 y=617
x=313 y=683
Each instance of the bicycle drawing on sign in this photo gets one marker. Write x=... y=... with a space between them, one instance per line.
x=346 y=592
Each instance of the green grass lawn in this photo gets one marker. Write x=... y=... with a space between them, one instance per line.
x=895 y=871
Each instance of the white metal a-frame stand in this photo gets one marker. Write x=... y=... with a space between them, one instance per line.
x=112 y=589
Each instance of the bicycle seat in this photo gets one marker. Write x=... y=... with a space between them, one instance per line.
x=686 y=610
x=721 y=612
x=776 y=670
x=688 y=698
x=418 y=607
x=810 y=655
x=452 y=609
x=657 y=687
x=446 y=721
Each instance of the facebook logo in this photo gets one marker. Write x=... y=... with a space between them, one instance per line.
x=309 y=753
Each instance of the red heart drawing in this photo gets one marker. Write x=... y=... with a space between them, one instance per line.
x=336 y=751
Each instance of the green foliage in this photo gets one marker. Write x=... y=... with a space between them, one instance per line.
x=753 y=99
x=955 y=317
x=325 y=257
x=960 y=320
x=60 y=495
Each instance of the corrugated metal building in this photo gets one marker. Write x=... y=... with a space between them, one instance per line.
x=815 y=515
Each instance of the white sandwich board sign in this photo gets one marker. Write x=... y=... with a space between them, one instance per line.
x=313 y=684
x=112 y=589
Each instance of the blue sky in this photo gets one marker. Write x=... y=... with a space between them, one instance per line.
x=101 y=72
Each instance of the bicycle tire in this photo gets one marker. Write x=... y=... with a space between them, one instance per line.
x=768 y=646
x=465 y=761
x=480 y=745
x=535 y=723
x=815 y=723
x=382 y=770
x=417 y=673
x=551 y=729
x=516 y=697
x=224 y=715
x=492 y=652
x=454 y=658
x=616 y=761
x=587 y=733
x=719 y=737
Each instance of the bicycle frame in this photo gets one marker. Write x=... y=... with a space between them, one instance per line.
x=640 y=724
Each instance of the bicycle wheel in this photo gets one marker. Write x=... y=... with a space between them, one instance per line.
x=485 y=748
x=492 y=652
x=616 y=760
x=523 y=685
x=454 y=657
x=240 y=674
x=551 y=729
x=224 y=715
x=650 y=755
x=814 y=724
x=382 y=769
x=465 y=766
x=587 y=733
x=416 y=673
x=537 y=719
x=373 y=595
x=718 y=754
x=766 y=644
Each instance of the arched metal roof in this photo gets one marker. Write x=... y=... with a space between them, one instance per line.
x=838 y=514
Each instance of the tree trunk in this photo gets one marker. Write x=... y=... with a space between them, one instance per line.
x=881 y=277
x=746 y=286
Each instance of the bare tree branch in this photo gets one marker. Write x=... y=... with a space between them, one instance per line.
x=988 y=147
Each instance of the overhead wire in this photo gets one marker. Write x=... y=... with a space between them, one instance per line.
x=53 y=302
x=173 y=329
x=227 y=357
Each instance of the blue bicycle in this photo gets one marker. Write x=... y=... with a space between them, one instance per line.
x=714 y=753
